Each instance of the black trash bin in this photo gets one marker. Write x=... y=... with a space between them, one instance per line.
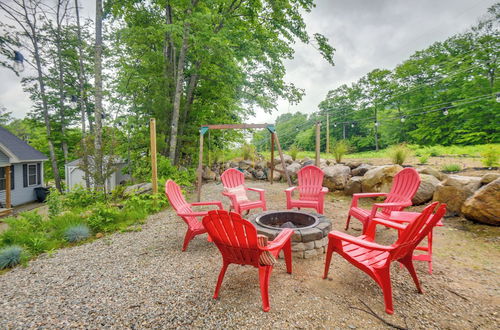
x=41 y=194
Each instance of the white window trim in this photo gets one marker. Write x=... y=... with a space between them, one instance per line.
x=28 y=175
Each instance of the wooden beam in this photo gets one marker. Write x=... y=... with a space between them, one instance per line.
x=7 y=188
x=318 y=132
x=282 y=159
x=200 y=168
x=154 y=169
x=272 y=158
x=236 y=126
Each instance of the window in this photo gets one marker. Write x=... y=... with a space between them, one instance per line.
x=32 y=175
x=2 y=178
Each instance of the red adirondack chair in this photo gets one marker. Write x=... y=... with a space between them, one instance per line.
x=404 y=187
x=236 y=239
x=183 y=209
x=234 y=188
x=311 y=190
x=375 y=259
x=399 y=221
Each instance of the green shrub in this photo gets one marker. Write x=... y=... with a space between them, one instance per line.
x=451 y=168
x=55 y=202
x=340 y=148
x=248 y=151
x=293 y=151
x=423 y=159
x=399 y=153
x=10 y=256
x=77 y=233
x=490 y=157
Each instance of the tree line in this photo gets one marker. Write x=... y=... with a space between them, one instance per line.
x=95 y=83
x=445 y=94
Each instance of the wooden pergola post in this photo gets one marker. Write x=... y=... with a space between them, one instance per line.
x=7 y=187
x=154 y=169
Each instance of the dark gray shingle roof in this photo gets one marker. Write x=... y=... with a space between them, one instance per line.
x=20 y=149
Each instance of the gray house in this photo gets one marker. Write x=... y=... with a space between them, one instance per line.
x=21 y=171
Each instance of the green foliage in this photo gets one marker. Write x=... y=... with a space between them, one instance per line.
x=339 y=149
x=10 y=256
x=451 y=168
x=77 y=233
x=399 y=153
x=248 y=151
x=423 y=159
x=490 y=157
x=293 y=151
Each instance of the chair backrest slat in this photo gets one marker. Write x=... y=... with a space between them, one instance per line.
x=232 y=178
x=404 y=188
x=235 y=237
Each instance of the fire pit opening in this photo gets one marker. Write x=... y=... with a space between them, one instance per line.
x=287 y=219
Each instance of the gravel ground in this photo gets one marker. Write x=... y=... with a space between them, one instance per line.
x=142 y=280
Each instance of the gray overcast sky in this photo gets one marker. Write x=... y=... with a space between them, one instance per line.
x=367 y=34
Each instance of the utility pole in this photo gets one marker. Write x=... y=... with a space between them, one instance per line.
x=327 y=133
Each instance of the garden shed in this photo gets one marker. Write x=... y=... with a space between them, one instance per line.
x=75 y=176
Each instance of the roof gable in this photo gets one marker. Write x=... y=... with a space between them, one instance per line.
x=17 y=149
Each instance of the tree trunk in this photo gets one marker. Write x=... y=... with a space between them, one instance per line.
x=81 y=98
x=61 y=79
x=98 y=157
x=52 y=154
x=177 y=95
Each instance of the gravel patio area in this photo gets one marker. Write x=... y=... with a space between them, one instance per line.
x=142 y=279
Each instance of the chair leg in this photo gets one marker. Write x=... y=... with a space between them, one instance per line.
x=219 y=280
x=264 y=275
x=189 y=236
x=347 y=222
x=408 y=263
x=287 y=250
x=328 y=258
x=385 y=284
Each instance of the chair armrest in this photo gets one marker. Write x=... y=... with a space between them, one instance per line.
x=193 y=214
x=279 y=241
x=218 y=203
x=255 y=189
x=358 y=241
x=355 y=197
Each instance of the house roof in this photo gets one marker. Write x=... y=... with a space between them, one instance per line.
x=18 y=150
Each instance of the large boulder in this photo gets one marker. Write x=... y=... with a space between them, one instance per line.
x=430 y=171
x=288 y=159
x=428 y=184
x=336 y=176
x=361 y=169
x=140 y=188
x=379 y=178
x=489 y=177
x=353 y=186
x=484 y=205
x=454 y=190
x=208 y=174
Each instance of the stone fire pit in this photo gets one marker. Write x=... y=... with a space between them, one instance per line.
x=311 y=229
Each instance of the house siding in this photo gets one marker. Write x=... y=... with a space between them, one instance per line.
x=4 y=159
x=21 y=195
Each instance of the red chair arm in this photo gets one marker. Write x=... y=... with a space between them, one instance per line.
x=193 y=214
x=358 y=241
x=218 y=203
x=389 y=223
x=355 y=197
x=279 y=241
